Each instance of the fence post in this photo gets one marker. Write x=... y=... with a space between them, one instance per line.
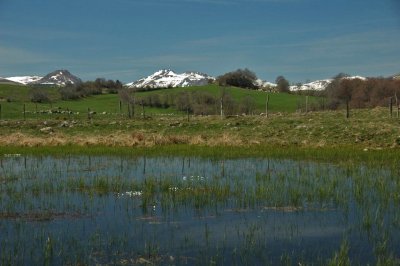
x=306 y=104
x=133 y=107
x=89 y=114
x=187 y=110
x=266 y=106
x=222 y=107
x=120 y=107
x=391 y=107
x=347 y=109
x=129 y=110
x=398 y=111
x=397 y=105
x=144 y=115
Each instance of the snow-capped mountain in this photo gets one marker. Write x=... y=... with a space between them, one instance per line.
x=320 y=85
x=59 y=78
x=167 y=78
x=24 y=79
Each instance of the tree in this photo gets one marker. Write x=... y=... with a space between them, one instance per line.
x=229 y=104
x=39 y=96
x=203 y=103
x=247 y=105
x=70 y=92
x=282 y=84
x=183 y=102
x=242 y=78
x=332 y=91
x=127 y=95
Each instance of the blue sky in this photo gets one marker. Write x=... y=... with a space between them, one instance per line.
x=128 y=39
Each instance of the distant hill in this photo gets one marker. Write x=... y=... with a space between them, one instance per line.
x=167 y=78
x=6 y=81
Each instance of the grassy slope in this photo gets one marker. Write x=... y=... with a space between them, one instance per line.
x=364 y=129
x=279 y=102
x=20 y=95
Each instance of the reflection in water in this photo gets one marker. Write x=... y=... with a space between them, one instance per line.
x=96 y=210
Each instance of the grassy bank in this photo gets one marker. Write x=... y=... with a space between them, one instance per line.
x=346 y=155
x=365 y=129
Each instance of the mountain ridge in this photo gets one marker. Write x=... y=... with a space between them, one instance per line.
x=60 y=77
x=165 y=78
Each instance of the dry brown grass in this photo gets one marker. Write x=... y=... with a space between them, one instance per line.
x=119 y=140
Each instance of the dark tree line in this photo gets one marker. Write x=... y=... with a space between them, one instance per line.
x=242 y=78
x=360 y=93
x=245 y=78
x=84 y=89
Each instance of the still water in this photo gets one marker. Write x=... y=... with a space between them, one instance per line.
x=175 y=210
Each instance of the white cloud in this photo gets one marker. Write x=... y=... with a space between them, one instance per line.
x=15 y=56
x=42 y=34
x=213 y=2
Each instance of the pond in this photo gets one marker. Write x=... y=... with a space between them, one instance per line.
x=181 y=210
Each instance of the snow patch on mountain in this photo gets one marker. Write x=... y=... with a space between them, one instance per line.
x=317 y=85
x=25 y=80
x=167 y=78
x=356 y=77
x=264 y=84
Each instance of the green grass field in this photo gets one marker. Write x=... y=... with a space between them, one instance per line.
x=278 y=102
x=13 y=98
